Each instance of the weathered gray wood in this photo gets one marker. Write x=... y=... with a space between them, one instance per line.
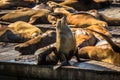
x=68 y=72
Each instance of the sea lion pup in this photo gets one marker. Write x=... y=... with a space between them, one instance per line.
x=109 y=20
x=19 y=32
x=27 y=15
x=102 y=54
x=54 y=5
x=80 y=20
x=29 y=47
x=8 y=4
x=84 y=5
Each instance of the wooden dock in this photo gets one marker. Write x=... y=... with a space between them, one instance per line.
x=29 y=70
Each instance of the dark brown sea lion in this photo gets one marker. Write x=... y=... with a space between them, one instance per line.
x=5 y=4
x=27 y=15
x=86 y=4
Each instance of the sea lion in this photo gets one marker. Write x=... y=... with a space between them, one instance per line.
x=80 y=20
x=102 y=54
x=84 y=38
x=27 y=15
x=5 y=4
x=110 y=21
x=29 y=47
x=64 y=37
x=19 y=32
x=84 y=5
x=48 y=57
x=54 y=5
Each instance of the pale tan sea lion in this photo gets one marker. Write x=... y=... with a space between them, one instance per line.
x=19 y=32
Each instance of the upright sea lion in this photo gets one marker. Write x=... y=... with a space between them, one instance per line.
x=27 y=15
x=64 y=37
x=79 y=19
x=102 y=54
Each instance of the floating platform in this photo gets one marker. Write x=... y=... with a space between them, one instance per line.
x=29 y=69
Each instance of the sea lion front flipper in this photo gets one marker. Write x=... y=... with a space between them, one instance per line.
x=64 y=63
x=63 y=60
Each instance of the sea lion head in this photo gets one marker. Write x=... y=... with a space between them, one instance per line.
x=61 y=23
x=52 y=4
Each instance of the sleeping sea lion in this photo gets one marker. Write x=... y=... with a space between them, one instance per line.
x=5 y=4
x=109 y=55
x=19 y=32
x=111 y=21
x=29 y=47
x=84 y=5
x=81 y=20
x=27 y=15
x=54 y=5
